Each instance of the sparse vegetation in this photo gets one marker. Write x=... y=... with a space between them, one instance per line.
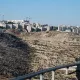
x=15 y=56
x=53 y=49
x=47 y=49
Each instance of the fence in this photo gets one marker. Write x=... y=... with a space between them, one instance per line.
x=41 y=72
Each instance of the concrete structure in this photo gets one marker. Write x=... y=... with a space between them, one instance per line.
x=61 y=27
x=64 y=28
x=37 y=25
x=67 y=30
x=26 y=25
x=75 y=30
x=2 y=24
x=48 y=28
x=15 y=26
x=78 y=29
x=8 y=26
x=16 y=21
x=45 y=28
x=41 y=28
x=33 y=29
x=21 y=26
x=58 y=28
x=29 y=28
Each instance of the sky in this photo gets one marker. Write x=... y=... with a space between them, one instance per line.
x=52 y=12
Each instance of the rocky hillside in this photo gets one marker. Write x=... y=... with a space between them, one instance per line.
x=53 y=48
x=15 y=56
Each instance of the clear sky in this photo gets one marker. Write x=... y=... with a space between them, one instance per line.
x=53 y=12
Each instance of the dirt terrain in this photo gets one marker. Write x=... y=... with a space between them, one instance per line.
x=53 y=48
x=15 y=56
x=37 y=50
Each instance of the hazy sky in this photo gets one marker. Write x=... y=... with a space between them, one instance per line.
x=53 y=12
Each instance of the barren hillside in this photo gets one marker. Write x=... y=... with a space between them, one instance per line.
x=15 y=56
x=53 y=48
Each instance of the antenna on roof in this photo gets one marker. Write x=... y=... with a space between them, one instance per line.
x=27 y=19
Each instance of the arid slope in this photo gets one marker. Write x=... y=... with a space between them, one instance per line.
x=15 y=56
x=53 y=48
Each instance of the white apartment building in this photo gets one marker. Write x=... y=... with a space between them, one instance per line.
x=16 y=21
x=2 y=24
